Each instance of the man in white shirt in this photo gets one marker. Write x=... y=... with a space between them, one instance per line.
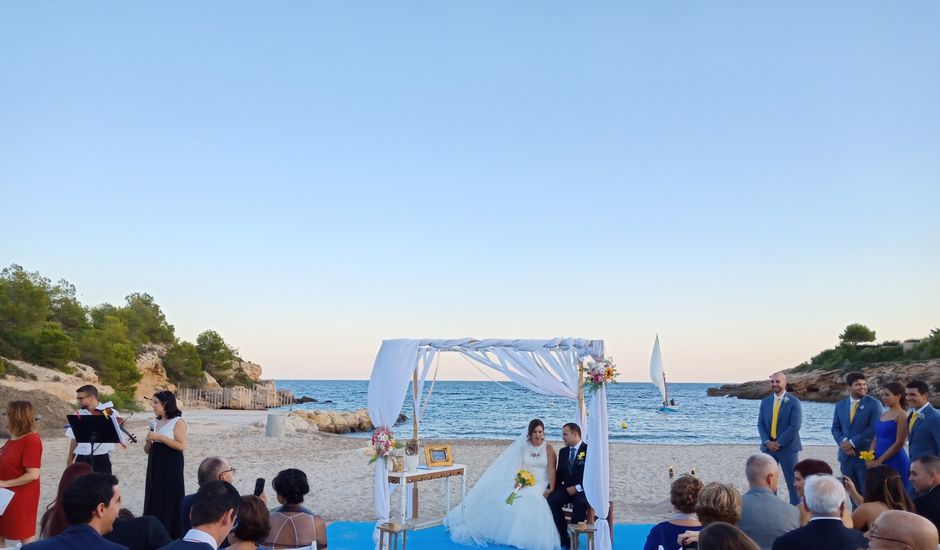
x=214 y=514
x=97 y=455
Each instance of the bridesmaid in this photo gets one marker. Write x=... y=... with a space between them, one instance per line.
x=891 y=433
x=166 y=442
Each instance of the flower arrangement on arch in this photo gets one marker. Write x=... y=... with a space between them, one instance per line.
x=383 y=441
x=524 y=478
x=599 y=374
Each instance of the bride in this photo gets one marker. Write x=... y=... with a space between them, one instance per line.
x=527 y=523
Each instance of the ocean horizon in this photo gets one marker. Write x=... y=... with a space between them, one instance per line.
x=502 y=410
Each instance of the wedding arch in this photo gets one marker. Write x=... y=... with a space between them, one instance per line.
x=548 y=367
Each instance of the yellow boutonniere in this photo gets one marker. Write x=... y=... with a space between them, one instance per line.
x=581 y=455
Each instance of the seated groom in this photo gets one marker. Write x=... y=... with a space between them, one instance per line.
x=568 y=479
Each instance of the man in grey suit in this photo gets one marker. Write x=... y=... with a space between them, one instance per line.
x=778 y=423
x=764 y=516
x=853 y=427
x=923 y=422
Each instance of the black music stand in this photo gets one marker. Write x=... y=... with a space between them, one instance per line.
x=93 y=429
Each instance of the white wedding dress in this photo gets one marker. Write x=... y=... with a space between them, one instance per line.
x=486 y=518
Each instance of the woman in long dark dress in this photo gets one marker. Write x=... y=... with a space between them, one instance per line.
x=166 y=442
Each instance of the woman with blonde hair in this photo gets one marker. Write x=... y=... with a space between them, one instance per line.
x=20 y=459
x=716 y=502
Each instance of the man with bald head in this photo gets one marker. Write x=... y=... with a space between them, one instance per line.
x=898 y=530
x=764 y=516
x=778 y=423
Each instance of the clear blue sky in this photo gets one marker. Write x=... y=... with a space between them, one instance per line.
x=309 y=178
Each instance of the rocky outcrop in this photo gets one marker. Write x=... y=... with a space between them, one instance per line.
x=150 y=365
x=829 y=386
x=340 y=422
x=55 y=382
x=210 y=383
x=53 y=411
x=249 y=369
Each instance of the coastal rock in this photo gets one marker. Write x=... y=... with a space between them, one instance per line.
x=340 y=422
x=209 y=383
x=150 y=365
x=829 y=386
x=249 y=369
x=305 y=399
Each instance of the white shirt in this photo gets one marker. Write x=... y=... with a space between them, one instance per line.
x=100 y=448
x=920 y=411
x=779 y=397
x=195 y=535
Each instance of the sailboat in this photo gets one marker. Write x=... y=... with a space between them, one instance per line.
x=658 y=376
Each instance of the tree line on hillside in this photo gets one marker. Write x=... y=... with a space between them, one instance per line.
x=44 y=323
x=854 y=350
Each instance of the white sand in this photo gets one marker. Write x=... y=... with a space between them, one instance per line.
x=341 y=479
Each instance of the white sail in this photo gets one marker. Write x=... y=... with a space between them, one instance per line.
x=656 y=369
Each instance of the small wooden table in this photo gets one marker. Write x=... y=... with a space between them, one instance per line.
x=427 y=474
x=575 y=530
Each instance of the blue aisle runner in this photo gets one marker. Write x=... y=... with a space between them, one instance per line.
x=347 y=535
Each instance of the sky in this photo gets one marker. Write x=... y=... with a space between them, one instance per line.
x=310 y=178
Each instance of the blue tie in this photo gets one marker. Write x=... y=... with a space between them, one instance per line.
x=572 y=451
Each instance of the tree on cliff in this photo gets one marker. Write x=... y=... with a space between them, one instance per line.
x=217 y=356
x=33 y=312
x=856 y=333
x=183 y=365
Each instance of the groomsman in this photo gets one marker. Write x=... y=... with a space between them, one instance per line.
x=778 y=423
x=923 y=422
x=853 y=427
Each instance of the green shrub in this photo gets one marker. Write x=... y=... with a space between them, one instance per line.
x=183 y=365
x=52 y=346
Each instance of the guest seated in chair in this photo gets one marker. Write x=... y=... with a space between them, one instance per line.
x=724 y=536
x=801 y=472
x=293 y=525
x=716 y=502
x=683 y=495
x=143 y=533
x=253 y=526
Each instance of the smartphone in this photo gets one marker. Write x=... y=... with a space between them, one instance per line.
x=259 y=486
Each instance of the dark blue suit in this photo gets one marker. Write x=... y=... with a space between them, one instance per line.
x=789 y=420
x=822 y=534
x=568 y=476
x=187 y=545
x=860 y=431
x=75 y=537
x=924 y=438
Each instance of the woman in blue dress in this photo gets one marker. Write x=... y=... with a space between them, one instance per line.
x=891 y=433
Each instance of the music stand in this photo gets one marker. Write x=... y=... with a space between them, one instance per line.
x=93 y=429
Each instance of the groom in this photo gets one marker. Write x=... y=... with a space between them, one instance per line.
x=568 y=480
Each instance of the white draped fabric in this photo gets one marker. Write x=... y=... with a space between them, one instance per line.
x=394 y=366
x=547 y=367
x=597 y=468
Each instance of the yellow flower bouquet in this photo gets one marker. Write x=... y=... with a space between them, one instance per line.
x=524 y=478
x=867 y=456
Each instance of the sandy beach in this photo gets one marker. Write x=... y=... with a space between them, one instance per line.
x=341 y=478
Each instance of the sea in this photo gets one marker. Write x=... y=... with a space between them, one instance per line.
x=502 y=410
